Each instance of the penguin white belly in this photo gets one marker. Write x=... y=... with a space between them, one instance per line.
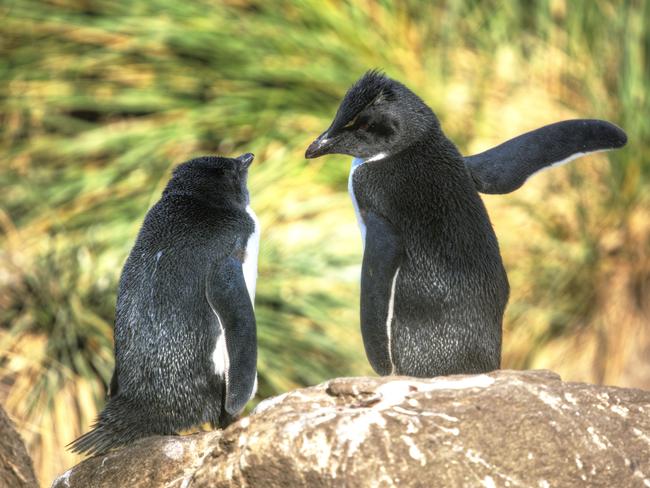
x=389 y=321
x=249 y=265
x=220 y=357
x=356 y=162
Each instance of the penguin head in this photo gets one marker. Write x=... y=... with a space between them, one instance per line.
x=377 y=117
x=213 y=178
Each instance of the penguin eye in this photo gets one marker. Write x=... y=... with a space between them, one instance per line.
x=350 y=124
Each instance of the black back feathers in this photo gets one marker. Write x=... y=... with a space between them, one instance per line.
x=185 y=336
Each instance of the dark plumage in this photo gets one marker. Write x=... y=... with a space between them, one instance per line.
x=433 y=287
x=181 y=293
x=506 y=167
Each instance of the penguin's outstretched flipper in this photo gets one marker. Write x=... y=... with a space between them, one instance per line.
x=381 y=259
x=506 y=167
x=235 y=356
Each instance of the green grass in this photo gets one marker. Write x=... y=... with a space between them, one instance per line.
x=99 y=100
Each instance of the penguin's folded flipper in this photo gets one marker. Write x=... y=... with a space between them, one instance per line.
x=506 y=167
x=381 y=259
x=229 y=299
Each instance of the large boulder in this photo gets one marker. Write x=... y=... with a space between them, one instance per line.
x=16 y=470
x=507 y=428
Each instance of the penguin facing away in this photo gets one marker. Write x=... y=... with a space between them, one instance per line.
x=433 y=286
x=185 y=333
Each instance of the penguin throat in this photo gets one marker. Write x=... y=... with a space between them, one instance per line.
x=356 y=162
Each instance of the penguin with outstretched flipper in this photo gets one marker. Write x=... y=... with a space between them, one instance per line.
x=433 y=286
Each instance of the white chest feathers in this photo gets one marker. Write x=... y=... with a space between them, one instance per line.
x=356 y=162
x=220 y=357
x=249 y=265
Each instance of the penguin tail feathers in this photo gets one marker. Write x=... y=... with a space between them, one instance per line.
x=97 y=441
x=118 y=425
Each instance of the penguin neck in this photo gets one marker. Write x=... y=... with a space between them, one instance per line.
x=356 y=163
x=433 y=143
x=442 y=165
x=436 y=158
x=213 y=200
x=433 y=157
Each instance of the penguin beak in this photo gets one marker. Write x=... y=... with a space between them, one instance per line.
x=246 y=159
x=320 y=146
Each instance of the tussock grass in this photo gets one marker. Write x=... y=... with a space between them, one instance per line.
x=101 y=99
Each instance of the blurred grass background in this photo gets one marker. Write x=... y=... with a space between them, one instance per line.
x=100 y=99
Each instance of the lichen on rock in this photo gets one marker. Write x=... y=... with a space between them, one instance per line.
x=506 y=428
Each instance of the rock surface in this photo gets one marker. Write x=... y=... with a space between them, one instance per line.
x=16 y=470
x=505 y=428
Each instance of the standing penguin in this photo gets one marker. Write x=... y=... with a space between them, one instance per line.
x=433 y=286
x=185 y=334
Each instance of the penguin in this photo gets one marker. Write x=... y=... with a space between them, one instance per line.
x=185 y=332
x=433 y=285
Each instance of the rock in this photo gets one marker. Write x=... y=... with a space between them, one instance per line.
x=16 y=470
x=152 y=462
x=507 y=428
